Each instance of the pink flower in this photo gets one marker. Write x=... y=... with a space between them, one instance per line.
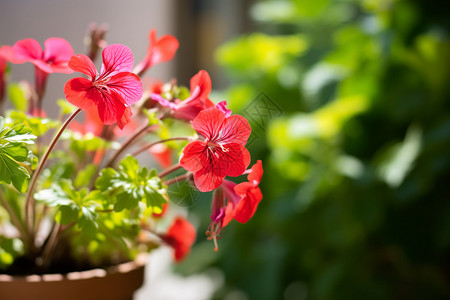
x=110 y=91
x=2 y=78
x=222 y=153
x=181 y=236
x=160 y=50
x=53 y=59
x=241 y=202
x=199 y=100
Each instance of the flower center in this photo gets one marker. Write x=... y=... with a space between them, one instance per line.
x=101 y=84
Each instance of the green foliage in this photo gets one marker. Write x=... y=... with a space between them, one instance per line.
x=14 y=154
x=9 y=250
x=131 y=185
x=356 y=169
x=17 y=93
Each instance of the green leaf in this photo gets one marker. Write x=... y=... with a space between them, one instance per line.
x=12 y=172
x=66 y=107
x=16 y=151
x=67 y=214
x=16 y=93
x=131 y=185
x=88 y=221
x=37 y=126
x=84 y=176
x=125 y=200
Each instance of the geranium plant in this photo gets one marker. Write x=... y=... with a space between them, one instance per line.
x=73 y=194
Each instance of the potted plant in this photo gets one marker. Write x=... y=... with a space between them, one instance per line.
x=73 y=195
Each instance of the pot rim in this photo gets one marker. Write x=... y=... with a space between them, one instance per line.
x=139 y=261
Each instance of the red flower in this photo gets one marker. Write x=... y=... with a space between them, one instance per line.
x=242 y=201
x=162 y=154
x=110 y=91
x=160 y=50
x=250 y=194
x=181 y=236
x=222 y=153
x=221 y=211
x=199 y=100
x=53 y=59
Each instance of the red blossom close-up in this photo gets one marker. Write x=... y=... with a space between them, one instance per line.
x=181 y=235
x=112 y=91
x=159 y=50
x=222 y=152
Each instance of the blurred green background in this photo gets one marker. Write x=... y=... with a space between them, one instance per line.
x=349 y=104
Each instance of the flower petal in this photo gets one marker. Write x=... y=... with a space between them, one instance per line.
x=80 y=92
x=256 y=173
x=164 y=49
x=111 y=108
x=222 y=106
x=128 y=85
x=201 y=81
x=209 y=122
x=246 y=208
x=235 y=129
x=207 y=180
x=57 y=54
x=232 y=160
x=83 y=64
x=116 y=58
x=28 y=49
x=57 y=50
x=188 y=109
x=8 y=53
x=181 y=236
x=194 y=156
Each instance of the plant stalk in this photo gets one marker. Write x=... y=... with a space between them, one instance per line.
x=149 y=145
x=29 y=200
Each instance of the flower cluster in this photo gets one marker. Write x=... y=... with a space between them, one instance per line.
x=91 y=188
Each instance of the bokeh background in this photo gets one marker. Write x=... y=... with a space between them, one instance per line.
x=349 y=104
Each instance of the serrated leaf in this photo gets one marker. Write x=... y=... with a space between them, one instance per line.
x=88 y=222
x=68 y=214
x=12 y=172
x=15 y=151
x=131 y=185
x=125 y=200
x=53 y=197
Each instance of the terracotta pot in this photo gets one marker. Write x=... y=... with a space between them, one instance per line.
x=115 y=283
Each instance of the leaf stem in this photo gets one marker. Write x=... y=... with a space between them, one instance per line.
x=29 y=200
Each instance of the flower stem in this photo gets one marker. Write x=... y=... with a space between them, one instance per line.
x=15 y=218
x=177 y=179
x=149 y=145
x=41 y=81
x=29 y=200
x=128 y=142
x=169 y=170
